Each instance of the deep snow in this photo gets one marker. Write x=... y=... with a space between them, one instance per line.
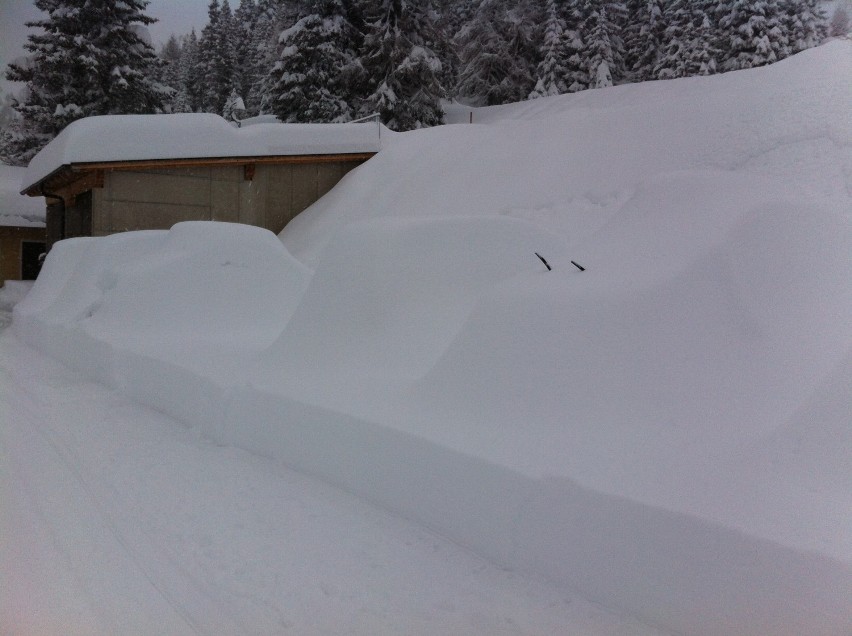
x=119 y=520
x=666 y=431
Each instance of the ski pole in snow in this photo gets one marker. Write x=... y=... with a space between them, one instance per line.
x=578 y=266
x=546 y=264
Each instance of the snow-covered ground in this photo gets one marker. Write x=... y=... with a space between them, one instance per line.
x=119 y=520
x=666 y=432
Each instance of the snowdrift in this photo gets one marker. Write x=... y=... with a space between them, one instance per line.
x=571 y=163
x=171 y=318
x=666 y=431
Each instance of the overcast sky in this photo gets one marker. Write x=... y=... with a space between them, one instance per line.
x=175 y=16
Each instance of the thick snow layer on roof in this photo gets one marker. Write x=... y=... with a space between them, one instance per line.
x=192 y=136
x=16 y=209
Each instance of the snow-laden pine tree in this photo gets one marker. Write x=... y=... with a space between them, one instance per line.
x=15 y=144
x=604 y=47
x=170 y=71
x=229 y=39
x=524 y=22
x=752 y=33
x=245 y=20
x=275 y=17
x=87 y=57
x=188 y=96
x=207 y=51
x=644 y=37
x=260 y=56
x=217 y=53
x=805 y=23
x=497 y=54
x=552 y=70
x=690 y=42
x=317 y=67
x=7 y=110
x=234 y=108
x=453 y=15
x=577 y=78
x=446 y=17
x=401 y=69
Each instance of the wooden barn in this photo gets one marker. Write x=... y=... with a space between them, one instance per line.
x=22 y=233
x=108 y=174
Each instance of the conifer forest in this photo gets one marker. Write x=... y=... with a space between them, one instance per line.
x=341 y=60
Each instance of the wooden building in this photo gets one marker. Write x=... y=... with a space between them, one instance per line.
x=111 y=174
x=22 y=232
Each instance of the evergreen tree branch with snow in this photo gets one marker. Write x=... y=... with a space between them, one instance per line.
x=498 y=55
x=317 y=66
x=401 y=69
x=87 y=57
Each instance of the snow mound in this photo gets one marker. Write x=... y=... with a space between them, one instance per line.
x=168 y=317
x=392 y=293
x=570 y=163
x=12 y=292
x=667 y=430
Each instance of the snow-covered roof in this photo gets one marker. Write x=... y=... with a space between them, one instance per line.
x=117 y=138
x=17 y=210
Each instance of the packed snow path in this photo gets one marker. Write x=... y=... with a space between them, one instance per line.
x=116 y=519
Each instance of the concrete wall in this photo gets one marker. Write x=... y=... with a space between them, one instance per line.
x=159 y=198
x=78 y=216
x=10 y=249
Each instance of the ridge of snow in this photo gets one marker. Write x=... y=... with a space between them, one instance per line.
x=570 y=162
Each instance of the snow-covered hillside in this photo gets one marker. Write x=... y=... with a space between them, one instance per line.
x=666 y=431
x=571 y=163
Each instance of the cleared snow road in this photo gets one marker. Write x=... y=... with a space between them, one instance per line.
x=116 y=519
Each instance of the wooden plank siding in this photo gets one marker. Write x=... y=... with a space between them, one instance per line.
x=155 y=194
x=11 y=244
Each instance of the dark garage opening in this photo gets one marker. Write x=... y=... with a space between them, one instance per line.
x=31 y=252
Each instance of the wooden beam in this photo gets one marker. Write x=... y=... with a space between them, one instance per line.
x=218 y=161
x=64 y=176
x=71 y=184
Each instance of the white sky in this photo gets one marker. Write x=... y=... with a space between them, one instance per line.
x=175 y=16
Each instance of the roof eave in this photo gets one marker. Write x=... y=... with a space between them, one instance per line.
x=38 y=188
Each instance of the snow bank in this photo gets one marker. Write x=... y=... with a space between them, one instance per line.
x=168 y=317
x=666 y=431
x=579 y=424
x=191 y=136
x=12 y=292
x=391 y=294
x=16 y=209
x=570 y=163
